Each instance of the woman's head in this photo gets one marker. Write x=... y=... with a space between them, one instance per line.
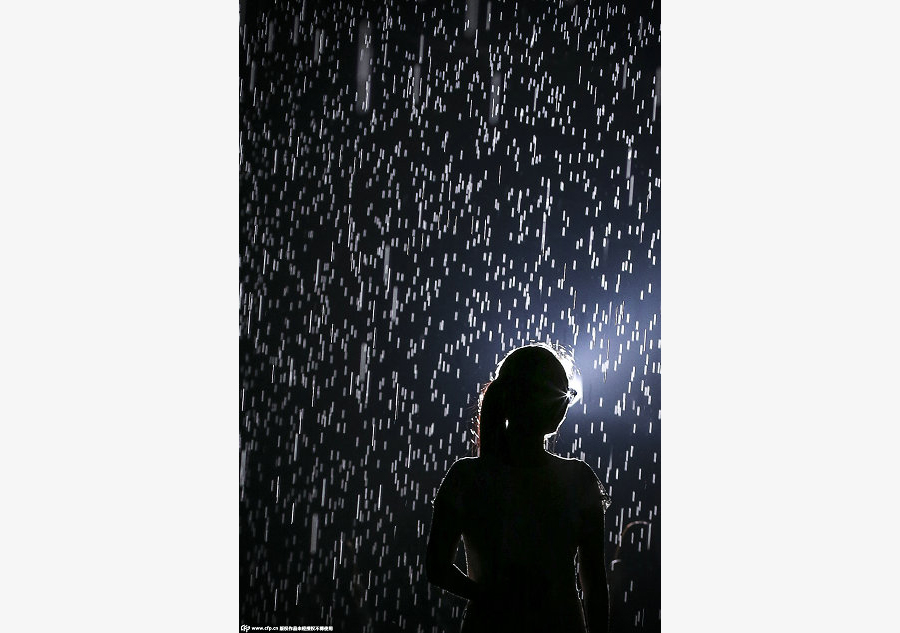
x=528 y=396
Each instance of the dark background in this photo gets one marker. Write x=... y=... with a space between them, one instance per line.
x=423 y=187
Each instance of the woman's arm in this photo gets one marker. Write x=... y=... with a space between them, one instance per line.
x=443 y=572
x=443 y=540
x=591 y=560
x=592 y=571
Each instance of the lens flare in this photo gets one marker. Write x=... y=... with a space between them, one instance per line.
x=576 y=385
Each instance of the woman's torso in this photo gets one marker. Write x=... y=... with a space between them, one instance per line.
x=520 y=529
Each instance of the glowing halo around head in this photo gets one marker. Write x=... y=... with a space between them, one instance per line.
x=567 y=360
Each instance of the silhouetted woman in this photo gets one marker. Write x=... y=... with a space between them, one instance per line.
x=523 y=513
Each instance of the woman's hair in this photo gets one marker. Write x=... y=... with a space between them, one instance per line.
x=528 y=395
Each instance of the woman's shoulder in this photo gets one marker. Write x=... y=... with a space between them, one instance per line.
x=588 y=484
x=461 y=469
x=464 y=464
x=468 y=472
x=455 y=482
x=576 y=467
x=584 y=479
